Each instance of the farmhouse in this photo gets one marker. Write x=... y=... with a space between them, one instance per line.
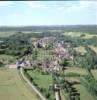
x=22 y=63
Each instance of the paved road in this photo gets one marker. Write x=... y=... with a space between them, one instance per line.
x=32 y=86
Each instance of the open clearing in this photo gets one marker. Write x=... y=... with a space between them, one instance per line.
x=12 y=87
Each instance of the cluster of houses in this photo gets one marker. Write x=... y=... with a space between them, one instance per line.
x=60 y=51
x=42 y=43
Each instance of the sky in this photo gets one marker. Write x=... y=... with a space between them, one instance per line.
x=24 y=13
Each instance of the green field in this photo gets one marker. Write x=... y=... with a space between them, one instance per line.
x=78 y=34
x=72 y=34
x=43 y=81
x=89 y=36
x=7 y=58
x=6 y=34
x=93 y=48
x=94 y=73
x=43 y=54
x=84 y=94
x=12 y=87
x=80 y=71
x=80 y=49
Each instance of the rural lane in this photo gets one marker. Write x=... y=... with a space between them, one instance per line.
x=31 y=85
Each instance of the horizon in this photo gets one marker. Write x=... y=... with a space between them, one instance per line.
x=47 y=13
x=51 y=25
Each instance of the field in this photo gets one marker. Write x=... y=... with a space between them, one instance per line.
x=6 y=34
x=79 y=71
x=12 y=87
x=73 y=34
x=80 y=35
x=7 y=58
x=84 y=93
x=80 y=49
x=42 y=54
x=93 y=48
x=94 y=73
x=43 y=82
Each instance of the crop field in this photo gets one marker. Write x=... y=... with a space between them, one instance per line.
x=12 y=87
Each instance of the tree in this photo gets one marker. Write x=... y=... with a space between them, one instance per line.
x=1 y=64
x=64 y=63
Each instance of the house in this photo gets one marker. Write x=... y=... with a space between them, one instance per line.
x=22 y=63
x=43 y=42
x=61 y=50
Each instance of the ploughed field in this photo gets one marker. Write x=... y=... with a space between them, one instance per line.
x=13 y=87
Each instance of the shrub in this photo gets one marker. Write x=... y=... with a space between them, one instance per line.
x=1 y=64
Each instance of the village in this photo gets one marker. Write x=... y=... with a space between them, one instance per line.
x=58 y=52
x=48 y=50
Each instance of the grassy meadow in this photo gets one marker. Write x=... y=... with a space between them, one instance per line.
x=84 y=94
x=80 y=35
x=12 y=87
x=80 y=49
x=6 y=34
